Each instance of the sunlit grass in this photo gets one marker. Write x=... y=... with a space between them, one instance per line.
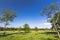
x=40 y=35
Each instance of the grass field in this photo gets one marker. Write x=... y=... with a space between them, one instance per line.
x=40 y=35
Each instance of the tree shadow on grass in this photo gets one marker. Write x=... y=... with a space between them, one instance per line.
x=6 y=35
x=21 y=33
x=51 y=33
x=54 y=33
x=48 y=33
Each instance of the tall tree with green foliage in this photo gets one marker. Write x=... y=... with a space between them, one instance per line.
x=26 y=28
x=52 y=12
x=7 y=16
x=20 y=28
x=36 y=29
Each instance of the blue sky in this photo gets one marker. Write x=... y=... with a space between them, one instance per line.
x=28 y=11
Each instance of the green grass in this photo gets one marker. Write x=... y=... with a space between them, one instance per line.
x=41 y=35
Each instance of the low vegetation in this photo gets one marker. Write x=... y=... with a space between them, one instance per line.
x=41 y=35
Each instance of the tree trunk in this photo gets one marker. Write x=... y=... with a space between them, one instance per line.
x=55 y=27
x=57 y=31
x=56 y=22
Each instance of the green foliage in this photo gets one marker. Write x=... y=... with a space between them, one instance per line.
x=36 y=29
x=55 y=17
x=53 y=13
x=20 y=28
x=1 y=28
x=26 y=28
x=7 y=16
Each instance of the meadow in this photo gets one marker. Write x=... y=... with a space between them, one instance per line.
x=33 y=35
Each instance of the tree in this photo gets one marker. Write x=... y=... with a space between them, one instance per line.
x=7 y=16
x=20 y=28
x=26 y=28
x=54 y=18
x=36 y=29
x=52 y=13
x=1 y=28
x=57 y=19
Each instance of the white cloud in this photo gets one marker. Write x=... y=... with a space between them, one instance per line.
x=47 y=23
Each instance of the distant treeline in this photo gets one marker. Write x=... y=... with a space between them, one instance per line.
x=10 y=29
